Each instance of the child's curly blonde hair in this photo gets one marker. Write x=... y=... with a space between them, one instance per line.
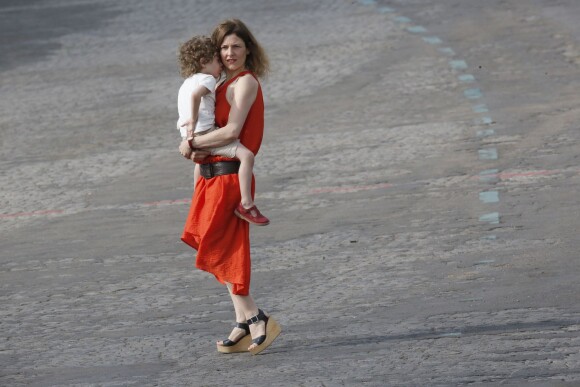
x=195 y=52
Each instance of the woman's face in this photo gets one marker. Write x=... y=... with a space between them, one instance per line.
x=233 y=52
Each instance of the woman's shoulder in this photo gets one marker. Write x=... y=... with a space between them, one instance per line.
x=249 y=77
x=248 y=81
x=242 y=86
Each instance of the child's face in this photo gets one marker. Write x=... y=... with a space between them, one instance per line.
x=213 y=68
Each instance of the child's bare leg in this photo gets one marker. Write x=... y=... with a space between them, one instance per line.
x=196 y=175
x=246 y=209
x=246 y=158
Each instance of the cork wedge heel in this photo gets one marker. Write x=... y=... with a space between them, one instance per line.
x=273 y=330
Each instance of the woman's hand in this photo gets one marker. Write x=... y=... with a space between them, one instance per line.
x=198 y=155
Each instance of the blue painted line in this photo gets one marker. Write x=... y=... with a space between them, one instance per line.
x=473 y=93
x=432 y=40
x=417 y=29
x=489 y=196
x=480 y=108
x=447 y=50
x=488 y=238
x=492 y=218
x=485 y=133
x=489 y=176
x=386 y=10
x=458 y=64
x=488 y=154
x=468 y=78
x=403 y=19
x=367 y=2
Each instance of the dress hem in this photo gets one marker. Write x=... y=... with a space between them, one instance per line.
x=238 y=289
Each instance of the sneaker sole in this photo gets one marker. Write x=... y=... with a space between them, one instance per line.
x=249 y=221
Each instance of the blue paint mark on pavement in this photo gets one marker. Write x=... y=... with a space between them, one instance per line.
x=480 y=108
x=447 y=50
x=417 y=29
x=488 y=176
x=485 y=133
x=386 y=10
x=458 y=64
x=466 y=78
x=487 y=154
x=492 y=218
x=473 y=93
x=489 y=196
x=403 y=19
x=486 y=120
x=432 y=40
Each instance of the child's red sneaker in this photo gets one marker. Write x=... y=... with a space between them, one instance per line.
x=251 y=215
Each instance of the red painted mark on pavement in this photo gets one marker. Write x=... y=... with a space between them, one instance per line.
x=52 y=212
x=352 y=188
x=337 y=189
x=33 y=213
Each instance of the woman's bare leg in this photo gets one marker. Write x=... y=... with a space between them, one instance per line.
x=247 y=307
x=240 y=317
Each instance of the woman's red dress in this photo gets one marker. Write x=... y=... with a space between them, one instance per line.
x=222 y=240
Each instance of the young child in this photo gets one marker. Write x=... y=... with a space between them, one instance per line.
x=201 y=68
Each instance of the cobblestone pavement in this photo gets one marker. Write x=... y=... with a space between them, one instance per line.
x=420 y=169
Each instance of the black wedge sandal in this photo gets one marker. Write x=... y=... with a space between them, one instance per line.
x=240 y=345
x=273 y=329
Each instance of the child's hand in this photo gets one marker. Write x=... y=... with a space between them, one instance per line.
x=184 y=149
x=189 y=125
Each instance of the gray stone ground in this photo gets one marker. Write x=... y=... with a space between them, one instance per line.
x=382 y=263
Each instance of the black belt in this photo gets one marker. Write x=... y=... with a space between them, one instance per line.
x=220 y=168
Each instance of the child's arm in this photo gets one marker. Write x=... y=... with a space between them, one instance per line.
x=196 y=96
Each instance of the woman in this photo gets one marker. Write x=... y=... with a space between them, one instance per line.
x=221 y=239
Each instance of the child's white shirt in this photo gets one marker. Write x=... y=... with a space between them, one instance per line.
x=206 y=114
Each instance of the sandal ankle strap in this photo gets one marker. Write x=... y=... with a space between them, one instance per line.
x=257 y=318
x=243 y=326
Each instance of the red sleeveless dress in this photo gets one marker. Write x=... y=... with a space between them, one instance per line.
x=222 y=240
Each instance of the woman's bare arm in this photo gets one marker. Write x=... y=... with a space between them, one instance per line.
x=244 y=95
